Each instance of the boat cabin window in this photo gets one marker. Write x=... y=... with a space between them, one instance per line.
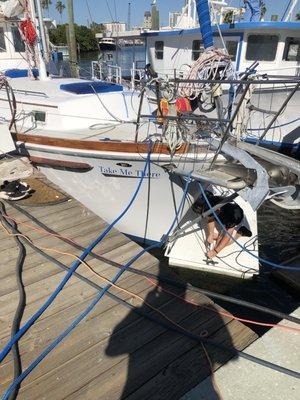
x=231 y=46
x=292 y=49
x=262 y=47
x=18 y=42
x=197 y=49
x=2 y=41
x=159 y=50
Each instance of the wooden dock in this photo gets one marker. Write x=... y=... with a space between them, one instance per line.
x=114 y=353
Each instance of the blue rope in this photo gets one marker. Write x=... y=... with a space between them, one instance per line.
x=240 y=245
x=73 y=268
x=71 y=327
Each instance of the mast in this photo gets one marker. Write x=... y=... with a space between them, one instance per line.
x=38 y=20
x=205 y=23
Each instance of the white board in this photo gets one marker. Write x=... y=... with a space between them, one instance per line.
x=190 y=251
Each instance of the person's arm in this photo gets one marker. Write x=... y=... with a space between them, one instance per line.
x=224 y=242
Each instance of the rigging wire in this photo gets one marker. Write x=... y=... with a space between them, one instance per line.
x=109 y=10
x=115 y=7
x=89 y=10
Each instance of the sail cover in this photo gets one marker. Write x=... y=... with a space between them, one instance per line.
x=12 y=8
x=205 y=23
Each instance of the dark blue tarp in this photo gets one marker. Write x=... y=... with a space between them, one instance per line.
x=91 y=87
x=20 y=73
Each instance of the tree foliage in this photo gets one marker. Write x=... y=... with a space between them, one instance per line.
x=298 y=17
x=58 y=36
x=97 y=28
x=263 y=9
x=60 y=7
x=46 y=3
x=229 y=17
x=85 y=37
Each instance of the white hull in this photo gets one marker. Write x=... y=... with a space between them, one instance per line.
x=108 y=187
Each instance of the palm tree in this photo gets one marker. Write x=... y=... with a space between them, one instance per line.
x=263 y=9
x=60 y=7
x=45 y=4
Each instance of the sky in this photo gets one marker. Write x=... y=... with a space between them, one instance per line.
x=100 y=13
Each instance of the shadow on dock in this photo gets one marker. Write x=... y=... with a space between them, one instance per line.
x=199 y=363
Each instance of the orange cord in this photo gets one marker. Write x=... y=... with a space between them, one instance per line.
x=279 y=326
x=94 y=272
x=225 y=314
x=123 y=290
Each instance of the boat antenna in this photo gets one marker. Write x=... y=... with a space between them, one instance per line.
x=129 y=17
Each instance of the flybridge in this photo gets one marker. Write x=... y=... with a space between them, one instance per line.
x=238 y=26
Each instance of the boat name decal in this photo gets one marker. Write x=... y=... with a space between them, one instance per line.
x=127 y=172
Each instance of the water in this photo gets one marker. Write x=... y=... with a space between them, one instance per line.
x=124 y=57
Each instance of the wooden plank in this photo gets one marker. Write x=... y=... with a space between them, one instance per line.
x=147 y=361
x=38 y=261
x=105 y=321
x=106 y=146
x=83 y=234
x=54 y=210
x=39 y=291
x=132 y=336
x=192 y=367
x=79 y=232
x=60 y=164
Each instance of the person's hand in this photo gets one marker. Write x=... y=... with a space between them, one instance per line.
x=212 y=238
x=211 y=254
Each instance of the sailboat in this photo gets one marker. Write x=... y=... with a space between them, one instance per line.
x=272 y=46
x=99 y=142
